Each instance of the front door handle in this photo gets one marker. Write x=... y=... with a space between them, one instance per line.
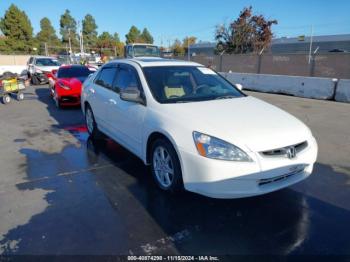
x=112 y=101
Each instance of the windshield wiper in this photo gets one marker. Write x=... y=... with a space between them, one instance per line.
x=183 y=101
x=225 y=97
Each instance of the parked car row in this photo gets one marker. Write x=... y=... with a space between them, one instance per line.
x=194 y=128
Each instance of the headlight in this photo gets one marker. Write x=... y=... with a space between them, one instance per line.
x=60 y=84
x=215 y=148
x=38 y=71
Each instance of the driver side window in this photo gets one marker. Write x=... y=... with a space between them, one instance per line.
x=126 y=77
x=106 y=77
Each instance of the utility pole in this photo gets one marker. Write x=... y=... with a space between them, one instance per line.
x=67 y=52
x=81 y=44
x=311 y=38
x=70 y=44
x=81 y=41
x=188 y=49
x=46 y=51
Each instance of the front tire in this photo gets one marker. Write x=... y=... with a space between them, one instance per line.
x=57 y=101
x=165 y=165
x=34 y=80
x=6 y=99
x=91 y=123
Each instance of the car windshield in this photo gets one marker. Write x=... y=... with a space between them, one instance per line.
x=146 y=50
x=179 y=84
x=69 y=72
x=47 y=62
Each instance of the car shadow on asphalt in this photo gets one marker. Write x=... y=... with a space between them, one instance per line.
x=65 y=115
x=102 y=200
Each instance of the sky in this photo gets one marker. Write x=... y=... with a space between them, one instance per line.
x=168 y=20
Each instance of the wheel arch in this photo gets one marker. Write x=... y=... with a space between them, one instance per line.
x=153 y=137
x=86 y=104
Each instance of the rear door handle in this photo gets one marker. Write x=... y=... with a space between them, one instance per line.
x=112 y=101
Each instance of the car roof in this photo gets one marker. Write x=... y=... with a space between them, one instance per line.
x=73 y=66
x=133 y=44
x=41 y=56
x=155 y=61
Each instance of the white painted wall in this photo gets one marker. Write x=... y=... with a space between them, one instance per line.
x=343 y=91
x=13 y=69
x=309 y=87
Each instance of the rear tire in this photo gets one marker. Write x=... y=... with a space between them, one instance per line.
x=20 y=96
x=165 y=166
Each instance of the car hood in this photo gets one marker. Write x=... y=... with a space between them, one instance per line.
x=74 y=82
x=246 y=122
x=47 y=68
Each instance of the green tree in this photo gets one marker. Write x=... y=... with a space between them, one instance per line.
x=177 y=48
x=119 y=49
x=146 y=37
x=119 y=45
x=248 y=33
x=106 y=43
x=68 y=28
x=116 y=37
x=133 y=36
x=89 y=31
x=47 y=35
x=188 y=41
x=17 y=30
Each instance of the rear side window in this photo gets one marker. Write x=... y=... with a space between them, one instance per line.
x=106 y=77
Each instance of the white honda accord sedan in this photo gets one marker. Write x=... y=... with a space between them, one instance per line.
x=197 y=130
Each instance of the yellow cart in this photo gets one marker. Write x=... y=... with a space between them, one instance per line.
x=12 y=86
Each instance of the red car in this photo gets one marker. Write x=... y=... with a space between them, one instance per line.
x=67 y=82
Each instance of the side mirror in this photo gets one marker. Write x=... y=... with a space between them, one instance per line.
x=131 y=94
x=239 y=86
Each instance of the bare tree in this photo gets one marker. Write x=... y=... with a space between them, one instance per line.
x=249 y=33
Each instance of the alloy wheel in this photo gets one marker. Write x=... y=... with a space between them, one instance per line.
x=163 y=166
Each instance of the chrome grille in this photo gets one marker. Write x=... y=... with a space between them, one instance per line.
x=278 y=152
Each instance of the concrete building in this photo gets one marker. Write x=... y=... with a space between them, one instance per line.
x=323 y=44
x=284 y=45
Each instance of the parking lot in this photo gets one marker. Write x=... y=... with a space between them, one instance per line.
x=63 y=193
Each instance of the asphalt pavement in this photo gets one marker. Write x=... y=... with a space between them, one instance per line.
x=63 y=193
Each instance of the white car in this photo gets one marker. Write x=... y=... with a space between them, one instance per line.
x=40 y=68
x=196 y=129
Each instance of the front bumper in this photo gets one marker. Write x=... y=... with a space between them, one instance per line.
x=228 y=179
x=69 y=97
x=42 y=77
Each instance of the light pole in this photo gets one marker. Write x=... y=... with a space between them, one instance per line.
x=70 y=44
x=311 y=38
x=188 y=49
